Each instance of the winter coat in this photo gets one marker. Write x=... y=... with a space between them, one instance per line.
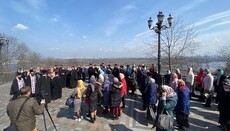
x=115 y=94
x=183 y=101
x=27 y=120
x=106 y=94
x=151 y=93
x=208 y=82
x=124 y=87
x=169 y=103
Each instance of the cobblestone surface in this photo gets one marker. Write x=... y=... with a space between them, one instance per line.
x=132 y=118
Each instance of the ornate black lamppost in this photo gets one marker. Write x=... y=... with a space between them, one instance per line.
x=158 y=28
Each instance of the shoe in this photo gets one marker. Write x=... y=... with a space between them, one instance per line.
x=76 y=119
x=79 y=119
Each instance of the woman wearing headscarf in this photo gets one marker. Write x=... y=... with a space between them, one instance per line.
x=208 y=87
x=106 y=94
x=183 y=105
x=123 y=88
x=133 y=81
x=179 y=74
x=151 y=96
x=218 y=80
x=115 y=97
x=190 y=80
x=167 y=103
x=78 y=94
x=199 y=83
x=92 y=92
x=174 y=81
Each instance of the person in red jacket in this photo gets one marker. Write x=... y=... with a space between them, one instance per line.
x=199 y=78
x=123 y=88
x=199 y=82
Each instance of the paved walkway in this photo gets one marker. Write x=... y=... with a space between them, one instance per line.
x=132 y=118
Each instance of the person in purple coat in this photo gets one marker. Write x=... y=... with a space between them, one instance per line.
x=106 y=94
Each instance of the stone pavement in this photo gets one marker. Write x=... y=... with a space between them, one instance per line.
x=132 y=118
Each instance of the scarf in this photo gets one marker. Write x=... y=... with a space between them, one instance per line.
x=20 y=83
x=80 y=86
x=33 y=82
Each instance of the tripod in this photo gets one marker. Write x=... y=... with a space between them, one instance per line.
x=44 y=119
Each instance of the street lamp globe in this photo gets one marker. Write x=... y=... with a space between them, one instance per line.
x=150 y=22
x=160 y=17
x=170 y=18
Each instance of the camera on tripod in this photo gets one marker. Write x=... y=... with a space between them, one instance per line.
x=41 y=95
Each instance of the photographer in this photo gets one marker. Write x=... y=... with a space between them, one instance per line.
x=26 y=120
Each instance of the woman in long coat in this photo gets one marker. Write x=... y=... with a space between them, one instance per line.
x=106 y=94
x=115 y=97
x=92 y=94
x=183 y=104
x=151 y=96
x=168 y=101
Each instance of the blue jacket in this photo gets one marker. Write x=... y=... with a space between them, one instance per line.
x=183 y=101
x=151 y=94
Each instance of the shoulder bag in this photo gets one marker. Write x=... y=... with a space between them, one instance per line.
x=164 y=121
x=13 y=126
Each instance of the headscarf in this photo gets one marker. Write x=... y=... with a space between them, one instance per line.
x=151 y=81
x=181 y=82
x=80 y=86
x=221 y=72
x=93 y=79
x=92 y=82
x=116 y=83
x=168 y=90
x=181 y=85
x=190 y=71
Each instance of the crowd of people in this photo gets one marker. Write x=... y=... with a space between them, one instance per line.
x=108 y=86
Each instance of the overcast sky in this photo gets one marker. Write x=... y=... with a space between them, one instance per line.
x=107 y=28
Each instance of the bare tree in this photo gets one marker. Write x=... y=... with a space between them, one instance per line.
x=34 y=59
x=225 y=55
x=177 y=42
x=23 y=52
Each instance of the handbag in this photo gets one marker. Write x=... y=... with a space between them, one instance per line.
x=164 y=121
x=13 y=126
x=70 y=102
